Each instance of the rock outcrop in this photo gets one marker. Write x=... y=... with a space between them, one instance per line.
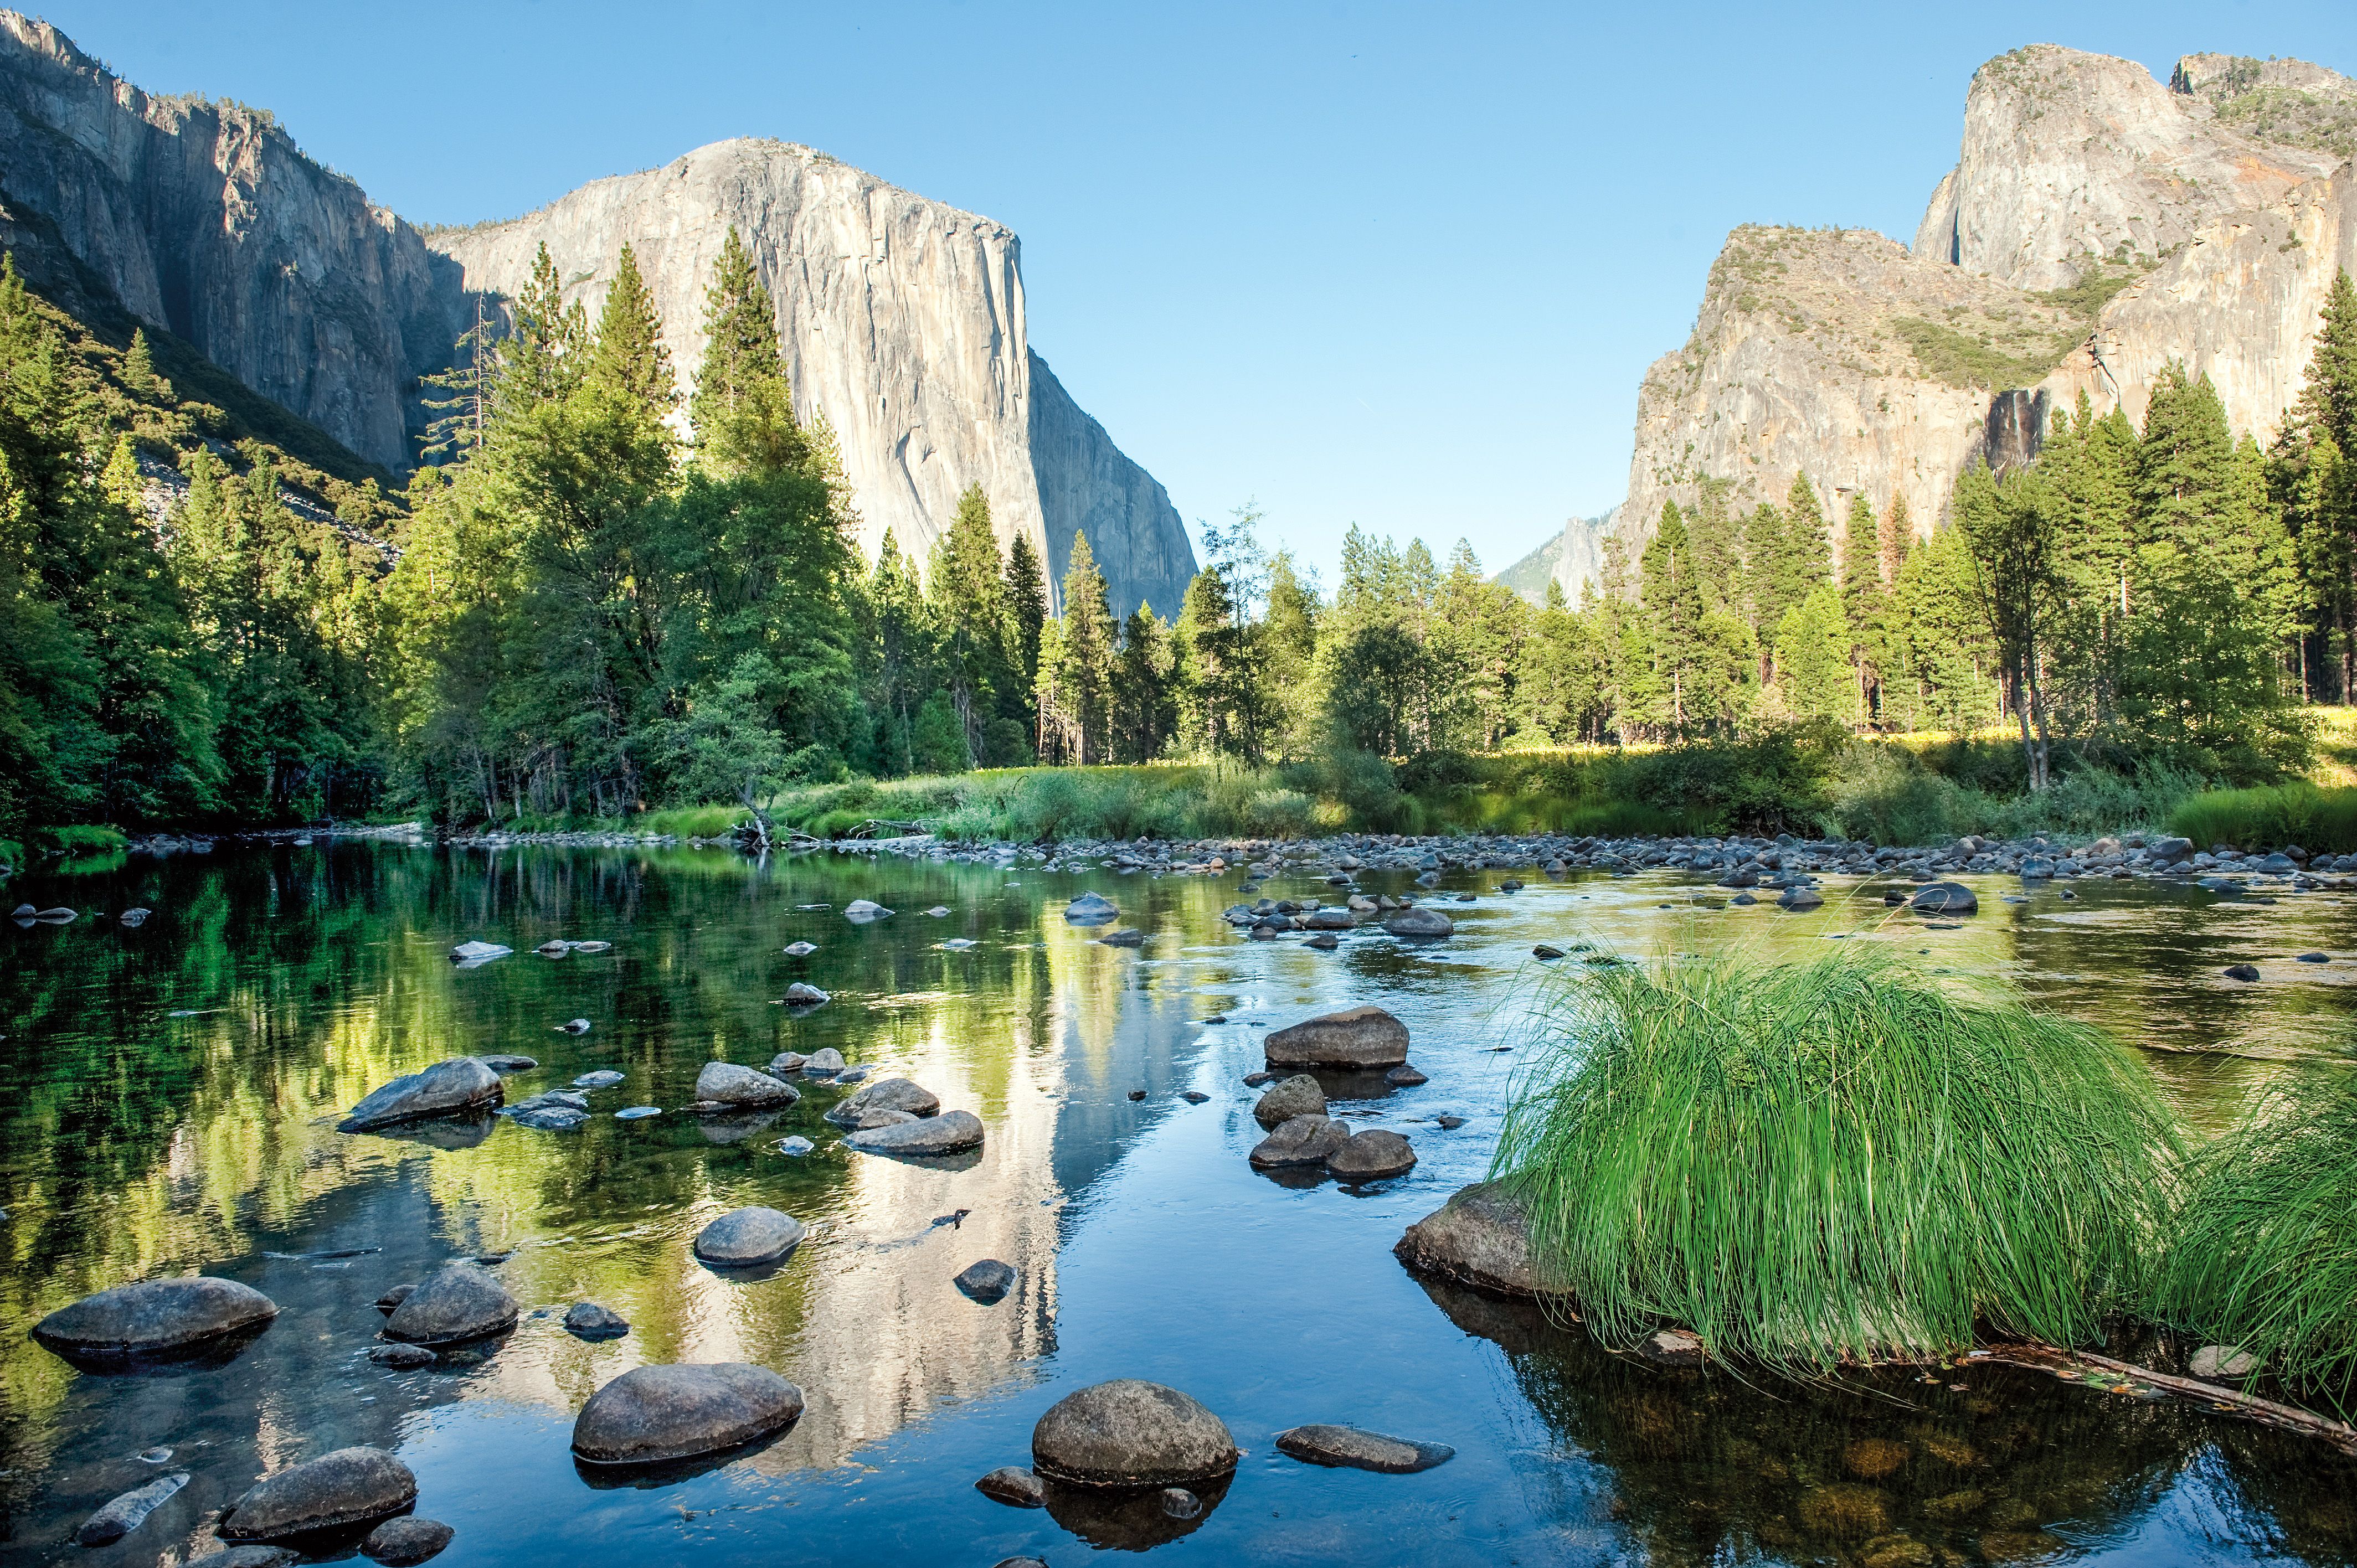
x=2098 y=225
x=901 y=319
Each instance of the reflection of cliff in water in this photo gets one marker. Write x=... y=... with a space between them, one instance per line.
x=1979 y=1464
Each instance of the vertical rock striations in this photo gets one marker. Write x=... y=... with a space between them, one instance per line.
x=901 y=318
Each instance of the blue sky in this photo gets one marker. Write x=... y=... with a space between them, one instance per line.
x=1396 y=264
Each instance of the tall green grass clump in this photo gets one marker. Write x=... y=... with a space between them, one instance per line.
x=2265 y=1255
x=2319 y=821
x=1834 y=1161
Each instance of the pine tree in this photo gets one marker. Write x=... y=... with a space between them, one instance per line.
x=470 y=389
x=1288 y=638
x=742 y=411
x=1813 y=674
x=1895 y=536
x=1025 y=597
x=545 y=352
x=139 y=367
x=1075 y=687
x=1144 y=711
x=1670 y=591
x=1863 y=606
x=967 y=582
x=2328 y=402
x=626 y=359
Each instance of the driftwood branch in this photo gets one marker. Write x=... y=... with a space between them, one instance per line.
x=2058 y=1362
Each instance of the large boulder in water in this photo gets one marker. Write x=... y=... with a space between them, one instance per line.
x=1356 y=1448
x=1355 y=1037
x=726 y=1083
x=458 y=1087
x=1945 y=899
x=1371 y=1155
x=1303 y=1141
x=949 y=1133
x=750 y=1238
x=1297 y=1096
x=155 y=1317
x=1091 y=910
x=884 y=1094
x=1480 y=1238
x=1420 y=924
x=457 y=1303
x=348 y=1486
x=1130 y=1433
x=653 y=1415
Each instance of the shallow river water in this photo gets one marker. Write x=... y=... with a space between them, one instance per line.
x=168 y=1100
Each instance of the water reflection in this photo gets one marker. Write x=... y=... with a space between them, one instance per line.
x=135 y=1143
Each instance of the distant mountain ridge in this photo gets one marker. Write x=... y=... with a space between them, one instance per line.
x=902 y=319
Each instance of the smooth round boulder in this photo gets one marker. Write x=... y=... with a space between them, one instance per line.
x=860 y=911
x=822 y=1064
x=1091 y=910
x=1303 y=1141
x=1130 y=1433
x=589 y=1320
x=726 y=1083
x=398 y=1542
x=1800 y=899
x=800 y=995
x=1355 y=1037
x=1297 y=1096
x=986 y=1281
x=750 y=1238
x=886 y=1094
x=458 y=1087
x=1371 y=1156
x=457 y=1303
x=1945 y=899
x=1354 y=1448
x=1480 y=1238
x=1013 y=1486
x=951 y=1132
x=348 y=1486
x=1420 y=924
x=653 y=1415
x=155 y=1317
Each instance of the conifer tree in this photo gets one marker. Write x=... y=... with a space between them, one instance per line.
x=1025 y=598
x=965 y=586
x=544 y=353
x=1862 y=601
x=1075 y=687
x=626 y=359
x=742 y=411
x=1671 y=594
x=1144 y=711
x=139 y=366
x=1813 y=673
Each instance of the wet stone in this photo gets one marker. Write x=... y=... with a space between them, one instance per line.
x=127 y=1513
x=2214 y=1362
x=1178 y=1502
x=394 y=1296
x=886 y=1094
x=1420 y=924
x=1193 y=1096
x=1363 y=1036
x=823 y=1064
x=346 y=1487
x=459 y=1302
x=1945 y=899
x=799 y=994
x=457 y=1087
x=400 y=1542
x=1013 y=1486
x=1091 y=910
x=1126 y=936
x=155 y=1317
x=860 y=911
x=1130 y=1433
x=1479 y=1238
x=1297 y=1096
x=402 y=1357
x=740 y=1088
x=1371 y=1156
x=589 y=1320
x=1544 y=951
x=750 y=1238
x=503 y=1065
x=986 y=1281
x=950 y=1133
x=247 y=1557
x=1355 y=1448
x=2243 y=972
x=653 y=1415
x=1303 y=1141
x=604 y=1078
x=801 y=950
x=1404 y=1076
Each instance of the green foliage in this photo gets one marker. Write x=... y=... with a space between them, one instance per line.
x=2323 y=822
x=1809 y=1163
x=1971 y=363
x=2262 y=1253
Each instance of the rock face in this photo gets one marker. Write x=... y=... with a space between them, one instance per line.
x=2217 y=200
x=459 y=1302
x=651 y=1415
x=347 y=1487
x=1365 y=1036
x=1130 y=1433
x=903 y=321
x=458 y=1087
x=155 y=1317
x=1479 y=1238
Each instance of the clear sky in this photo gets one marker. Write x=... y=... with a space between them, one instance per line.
x=1396 y=264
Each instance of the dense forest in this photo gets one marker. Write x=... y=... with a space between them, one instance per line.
x=598 y=596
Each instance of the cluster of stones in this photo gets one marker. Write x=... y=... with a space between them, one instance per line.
x=1301 y=1136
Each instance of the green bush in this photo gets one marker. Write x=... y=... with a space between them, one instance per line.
x=1808 y=1163
x=2320 y=821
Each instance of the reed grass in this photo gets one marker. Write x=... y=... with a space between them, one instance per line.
x=1836 y=1161
x=2320 y=821
x=2265 y=1249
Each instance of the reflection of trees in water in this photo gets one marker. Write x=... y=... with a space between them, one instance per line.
x=1893 y=1472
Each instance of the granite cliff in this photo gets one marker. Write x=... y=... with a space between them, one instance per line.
x=2098 y=224
x=901 y=318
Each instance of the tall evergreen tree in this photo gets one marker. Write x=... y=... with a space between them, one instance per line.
x=742 y=411
x=967 y=581
x=1075 y=685
x=626 y=359
x=1670 y=590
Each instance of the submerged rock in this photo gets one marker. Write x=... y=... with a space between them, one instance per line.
x=2212 y=1362
x=986 y=1281
x=1800 y=899
x=1355 y=1448
x=572 y=1026
x=1404 y=1076
x=1126 y=936
x=588 y=1320
x=1128 y=1433
x=458 y=1087
x=2243 y=972
x=1945 y=899
x=335 y=1490
x=1479 y=1238
x=504 y=1065
x=1013 y=1486
x=750 y=1238
x=949 y=1133
x=467 y=955
x=402 y=1357
x=1420 y=923
x=1363 y=1036
x=1297 y=1096
x=1371 y=1156
x=457 y=1303
x=1544 y=951
x=801 y=995
x=860 y=911
x=604 y=1078
x=1303 y=1141
x=1091 y=910
x=247 y=1557
x=155 y=1317
x=801 y=950
x=651 y=1415
x=726 y=1083
x=1672 y=1347
x=398 y=1542
x=127 y=1513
